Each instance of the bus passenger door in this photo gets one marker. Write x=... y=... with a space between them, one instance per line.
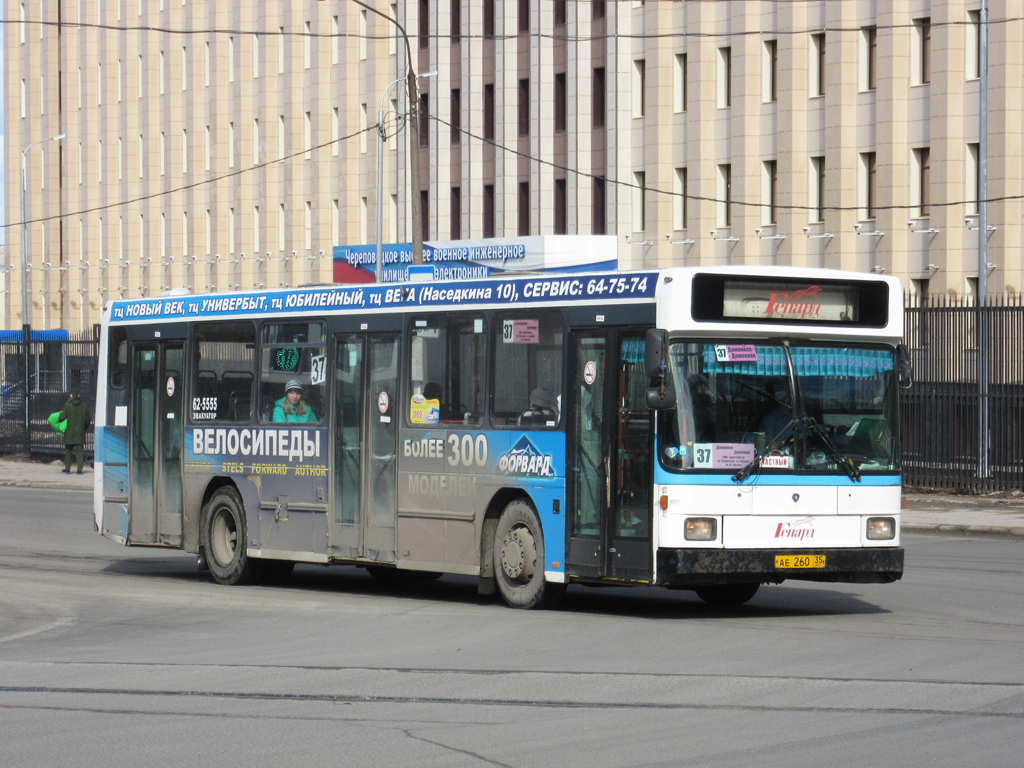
x=610 y=472
x=154 y=500
x=365 y=431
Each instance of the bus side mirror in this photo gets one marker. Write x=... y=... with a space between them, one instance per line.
x=655 y=350
x=903 y=365
x=661 y=398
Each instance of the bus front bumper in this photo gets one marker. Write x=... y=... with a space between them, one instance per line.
x=699 y=567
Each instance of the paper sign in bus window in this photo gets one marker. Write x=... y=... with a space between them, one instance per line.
x=521 y=332
x=722 y=455
x=736 y=353
x=424 y=411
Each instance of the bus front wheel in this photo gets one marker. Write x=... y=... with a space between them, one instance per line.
x=224 y=539
x=519 y=559
x=727 y=594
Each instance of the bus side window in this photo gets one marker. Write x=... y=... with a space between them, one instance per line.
x=448 y=353
x=527 y=372
x=223 y=377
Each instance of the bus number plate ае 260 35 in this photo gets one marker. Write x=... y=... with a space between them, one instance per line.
x=799 y=561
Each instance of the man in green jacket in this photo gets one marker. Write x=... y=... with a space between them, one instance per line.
x=76 y=413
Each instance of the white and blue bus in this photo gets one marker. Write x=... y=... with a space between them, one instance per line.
x=710 y=429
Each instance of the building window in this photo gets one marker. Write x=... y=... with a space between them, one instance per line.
x=456 y=213
x=524 y=15
x=560 y=13
x=921 y=52
x=524 y=107
x=972 y=45
x=423 y=119
x=639 y=201
x=639 y=87
x=724 y=77
x=868 y=58
x=723 y=196
x=769 y=192
x=972 y=177
x=489 y=111
x=769 y=70
x=561 y=208
x=561 y=103
x=488 y=210
x=598 y=98
x=456 y=22
x=868 y=187
x=680 y=209
x=455 y=118
x=817 y=189
x=922 y=181
x=425 y=213
x=599 y=217
x=489 y=18
x=679 y=92
x=597 y=9
x=524 y=208
x=424 y=19
x=817 y=79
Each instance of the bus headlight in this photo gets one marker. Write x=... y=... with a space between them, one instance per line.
x=881 y=528
x=701 y=529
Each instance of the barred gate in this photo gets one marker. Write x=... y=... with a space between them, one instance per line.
x=55 y=367
x=940 y=412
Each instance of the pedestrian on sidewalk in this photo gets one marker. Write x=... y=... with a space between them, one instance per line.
x=77 y=415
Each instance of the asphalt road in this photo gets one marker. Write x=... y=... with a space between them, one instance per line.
x=127 y=657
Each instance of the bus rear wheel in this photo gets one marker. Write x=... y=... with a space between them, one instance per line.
x=224 y=540
x=727 y=594
x=519 y=559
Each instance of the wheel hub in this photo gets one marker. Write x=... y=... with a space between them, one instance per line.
x=519 y=554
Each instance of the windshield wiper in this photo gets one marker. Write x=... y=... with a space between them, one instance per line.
x=833 y=449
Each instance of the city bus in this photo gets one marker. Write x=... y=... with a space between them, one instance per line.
x=704 y=429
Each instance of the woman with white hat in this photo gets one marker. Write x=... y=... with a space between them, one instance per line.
x=291 y=407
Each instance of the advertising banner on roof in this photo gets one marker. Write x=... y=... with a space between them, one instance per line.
x=475 y=259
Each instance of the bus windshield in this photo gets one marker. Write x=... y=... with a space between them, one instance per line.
x=805 y=411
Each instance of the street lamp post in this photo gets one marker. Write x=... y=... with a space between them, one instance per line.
x=381 y=136
x=26 y=325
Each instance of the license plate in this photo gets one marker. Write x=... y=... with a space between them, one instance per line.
x=799 y=561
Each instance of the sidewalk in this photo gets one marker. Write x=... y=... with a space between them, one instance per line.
x=941 y=512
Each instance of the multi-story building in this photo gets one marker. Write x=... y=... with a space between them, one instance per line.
x=231 y=144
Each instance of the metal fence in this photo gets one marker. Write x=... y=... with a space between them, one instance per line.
x=54 y=368
x=940 y=412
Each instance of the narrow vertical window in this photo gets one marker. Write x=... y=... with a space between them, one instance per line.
x=867 y=186
x=769 y=192
x=362 y=36
x=307 y=45
x=817 y=79
x=184 y=68
x=255 y=228
x=231 y=59
x=456 y=22
x=561 y=103
x=231 y=145
x=163 y=154
x=120 y=159
x=364 y=123
x=680 y=209
x=424 y=23
x=770 y=71
x=561 y=208
x=184 y=151
x=256 y=141
x=207 y=149
x=817 y=190
x=455 y=213
x=489 y=111
x=280 y=137
x=119 y=82
x=255 y=57
x=868 y=55
x=308 y=226
x=307 y=134
x=560 y=13
x=599 y=216
x=972 y=44
x=524 y=208
x=489 y=18
x=524 y=107
x=524 y=15
x=160 y=73
x=598 y=97
x=281 y=227
x=488 y=222
x=639 y=88
x=423 y=118
x=231 y=230
x=335 y=47
x=724 y=77
x=972 y=180
x=206 y=65
x=639 y=201
x=280 y=50
x=723 y=196
x=922 y=181
x=921 y=51
x=455 y=116
x=679 y=91
x=425 y=213
x=335 y=131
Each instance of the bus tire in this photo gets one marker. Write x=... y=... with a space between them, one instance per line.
x=519 y=559
x=727 y=594
x=224 y=539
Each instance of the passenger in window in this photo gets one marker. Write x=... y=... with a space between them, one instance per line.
x=542 y=409
x=292 y=408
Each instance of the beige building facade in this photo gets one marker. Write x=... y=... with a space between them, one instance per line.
x=220 y=146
